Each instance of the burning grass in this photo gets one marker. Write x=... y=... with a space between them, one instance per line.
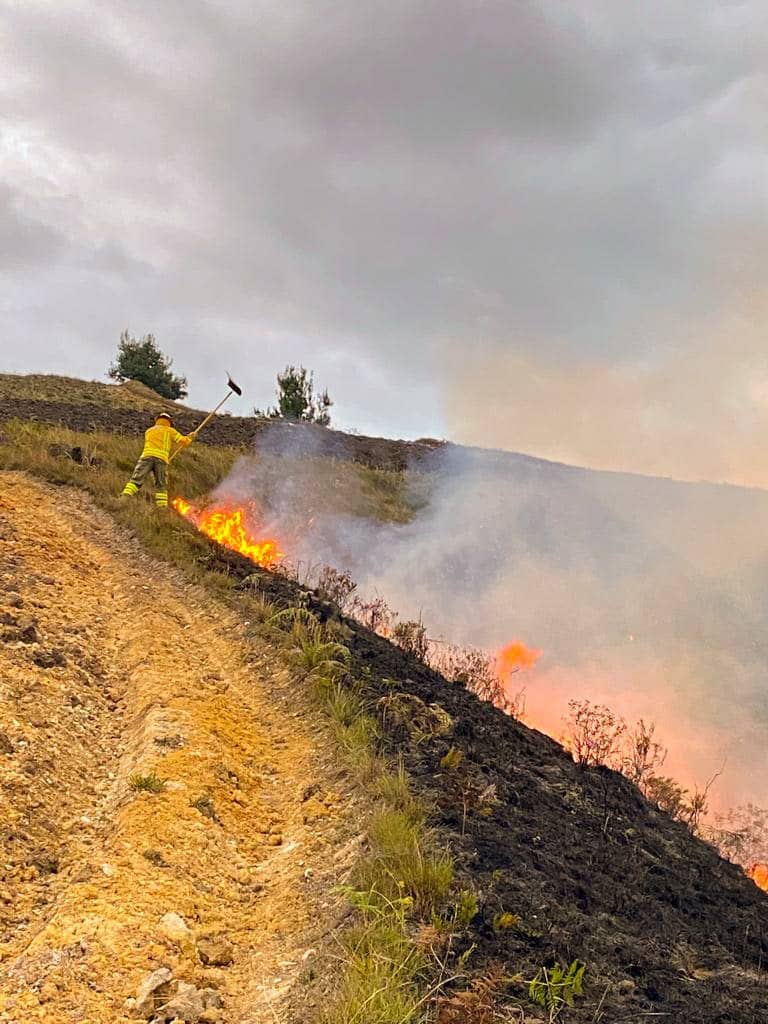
x=234 y=528
x=108 y=460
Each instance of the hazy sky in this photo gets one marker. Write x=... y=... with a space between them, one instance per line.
x=539 y=225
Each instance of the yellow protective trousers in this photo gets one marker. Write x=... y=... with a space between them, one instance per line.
x=159 y=470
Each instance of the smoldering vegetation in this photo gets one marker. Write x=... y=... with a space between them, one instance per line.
x=645 y=594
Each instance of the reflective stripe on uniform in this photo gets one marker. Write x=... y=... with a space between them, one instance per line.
x=161 y=499
x=130 y=488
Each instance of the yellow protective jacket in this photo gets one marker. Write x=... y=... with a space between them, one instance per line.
x=159 y=440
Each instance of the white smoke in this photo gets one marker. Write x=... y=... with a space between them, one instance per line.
x=645 y=594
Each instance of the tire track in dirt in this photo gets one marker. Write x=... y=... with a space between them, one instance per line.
x=112 y=667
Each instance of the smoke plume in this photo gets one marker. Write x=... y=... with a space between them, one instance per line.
x=693 y=405
x=645 y=594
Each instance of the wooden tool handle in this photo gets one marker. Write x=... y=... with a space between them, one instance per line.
x=197 y=430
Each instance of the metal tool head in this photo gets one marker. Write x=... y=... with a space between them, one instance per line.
x=233 y=386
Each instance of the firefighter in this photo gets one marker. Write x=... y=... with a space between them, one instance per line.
x=158 y=441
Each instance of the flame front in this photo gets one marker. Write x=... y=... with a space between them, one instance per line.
x=229 y=526
x=514 y=657
x=759 y=875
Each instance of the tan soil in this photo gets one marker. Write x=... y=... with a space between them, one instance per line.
x=157 y=678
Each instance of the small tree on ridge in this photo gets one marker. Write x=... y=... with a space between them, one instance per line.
x=296 y=399
x=142 y=360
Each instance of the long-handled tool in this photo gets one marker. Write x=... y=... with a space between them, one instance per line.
x=233 y=389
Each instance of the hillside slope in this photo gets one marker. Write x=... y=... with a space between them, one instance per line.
x=581 y=863
x=126 y=408
x=588 y=868
x=115 y=672
x=73 y=392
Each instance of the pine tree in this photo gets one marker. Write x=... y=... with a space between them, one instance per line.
x=296 y=399
x=142 y=360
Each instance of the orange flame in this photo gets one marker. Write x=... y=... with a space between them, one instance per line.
x=229 y=526
x=759 y=875
x=514 y=657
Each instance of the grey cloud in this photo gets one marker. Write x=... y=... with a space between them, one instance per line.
x=404 y=186
x=24 y=242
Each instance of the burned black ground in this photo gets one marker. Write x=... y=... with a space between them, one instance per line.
x=590 y=869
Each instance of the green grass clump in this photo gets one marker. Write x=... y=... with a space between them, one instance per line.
x=149 y=783
x=314 y=655
x=357 y=740
x=384 y=971
x=505 y=920
x=402 y=862
x=394 y=788
x=452 y=760
x=465 y=909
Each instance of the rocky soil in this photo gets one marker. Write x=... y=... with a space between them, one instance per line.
x=171 y=815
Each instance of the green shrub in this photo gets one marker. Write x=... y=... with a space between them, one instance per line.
x=142 y=360
x=465 y=909
x=556 y=987
x=149 y=783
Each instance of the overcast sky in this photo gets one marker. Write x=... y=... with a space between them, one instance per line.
x=538 y=225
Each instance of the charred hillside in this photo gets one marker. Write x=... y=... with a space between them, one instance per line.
x=113 y=414
x=588 y=868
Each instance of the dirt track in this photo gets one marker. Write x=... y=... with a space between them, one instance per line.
x=113 y=667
